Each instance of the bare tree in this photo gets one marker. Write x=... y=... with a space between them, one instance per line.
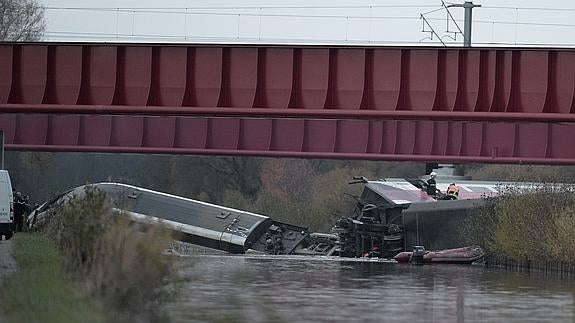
x=21 y=20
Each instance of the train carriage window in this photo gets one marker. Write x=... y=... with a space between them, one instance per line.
x=134 y=194
x=223 y=214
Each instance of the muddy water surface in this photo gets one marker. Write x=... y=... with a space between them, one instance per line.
x=226 y=288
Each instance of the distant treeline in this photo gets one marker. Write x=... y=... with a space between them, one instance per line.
x=310 y=192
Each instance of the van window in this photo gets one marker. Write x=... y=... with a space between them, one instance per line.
x=4 y=196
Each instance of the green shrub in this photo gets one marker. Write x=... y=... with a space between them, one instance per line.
x=119 y=262
x=77 y=225
x=129 y=271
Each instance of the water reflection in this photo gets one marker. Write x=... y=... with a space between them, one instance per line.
x=295 y=289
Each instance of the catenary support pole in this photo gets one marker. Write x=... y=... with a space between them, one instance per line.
x=468 y=18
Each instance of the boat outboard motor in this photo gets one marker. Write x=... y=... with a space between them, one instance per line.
x=417 y=255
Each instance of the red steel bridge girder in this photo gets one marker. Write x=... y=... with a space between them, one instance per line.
x=492 y=142
x=316 y=78
x=428 y=104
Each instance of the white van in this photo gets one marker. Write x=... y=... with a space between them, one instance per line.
x=6 y=206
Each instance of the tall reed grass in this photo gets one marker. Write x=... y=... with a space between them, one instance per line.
x=527 y=224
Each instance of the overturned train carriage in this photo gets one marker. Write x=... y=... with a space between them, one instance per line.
x=394 y=215
x=205 y=224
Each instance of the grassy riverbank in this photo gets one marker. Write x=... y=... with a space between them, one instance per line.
x=88 y=260
x=40 y=291
x=528 y=226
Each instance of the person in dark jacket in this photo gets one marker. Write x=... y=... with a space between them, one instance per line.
x=19 y=209
x=431 y=184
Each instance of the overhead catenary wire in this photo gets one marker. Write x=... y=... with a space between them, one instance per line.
x=432 y=11
x=366 y=6
x=242 y=7
x=296 y=7
x=255 y=40
x=248 y=14
x=432 y=31
x=526 y=23
x=343 y=17
x=501 y=22
x=426 y=22
x=261 y=13
x=419 y=6
x=527 y=8
x=123 y=36
x=483 y=6
x=145 y=10
x=451 y=17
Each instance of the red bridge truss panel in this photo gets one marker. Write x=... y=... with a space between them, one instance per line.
x=428 y=104
x=457 y=141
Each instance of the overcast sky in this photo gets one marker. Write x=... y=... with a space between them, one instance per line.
x=497 y=22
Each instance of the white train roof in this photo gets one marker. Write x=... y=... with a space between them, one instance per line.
x=402 y=191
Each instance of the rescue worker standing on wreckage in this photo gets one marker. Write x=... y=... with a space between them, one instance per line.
x=431 y=184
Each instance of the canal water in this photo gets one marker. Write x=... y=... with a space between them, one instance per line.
x=244 y=288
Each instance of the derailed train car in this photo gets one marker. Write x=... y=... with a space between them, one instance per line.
x=202 y=223
x=394 y=215
x=390 y=216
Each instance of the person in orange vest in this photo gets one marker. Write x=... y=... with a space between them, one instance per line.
x=452 y=191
